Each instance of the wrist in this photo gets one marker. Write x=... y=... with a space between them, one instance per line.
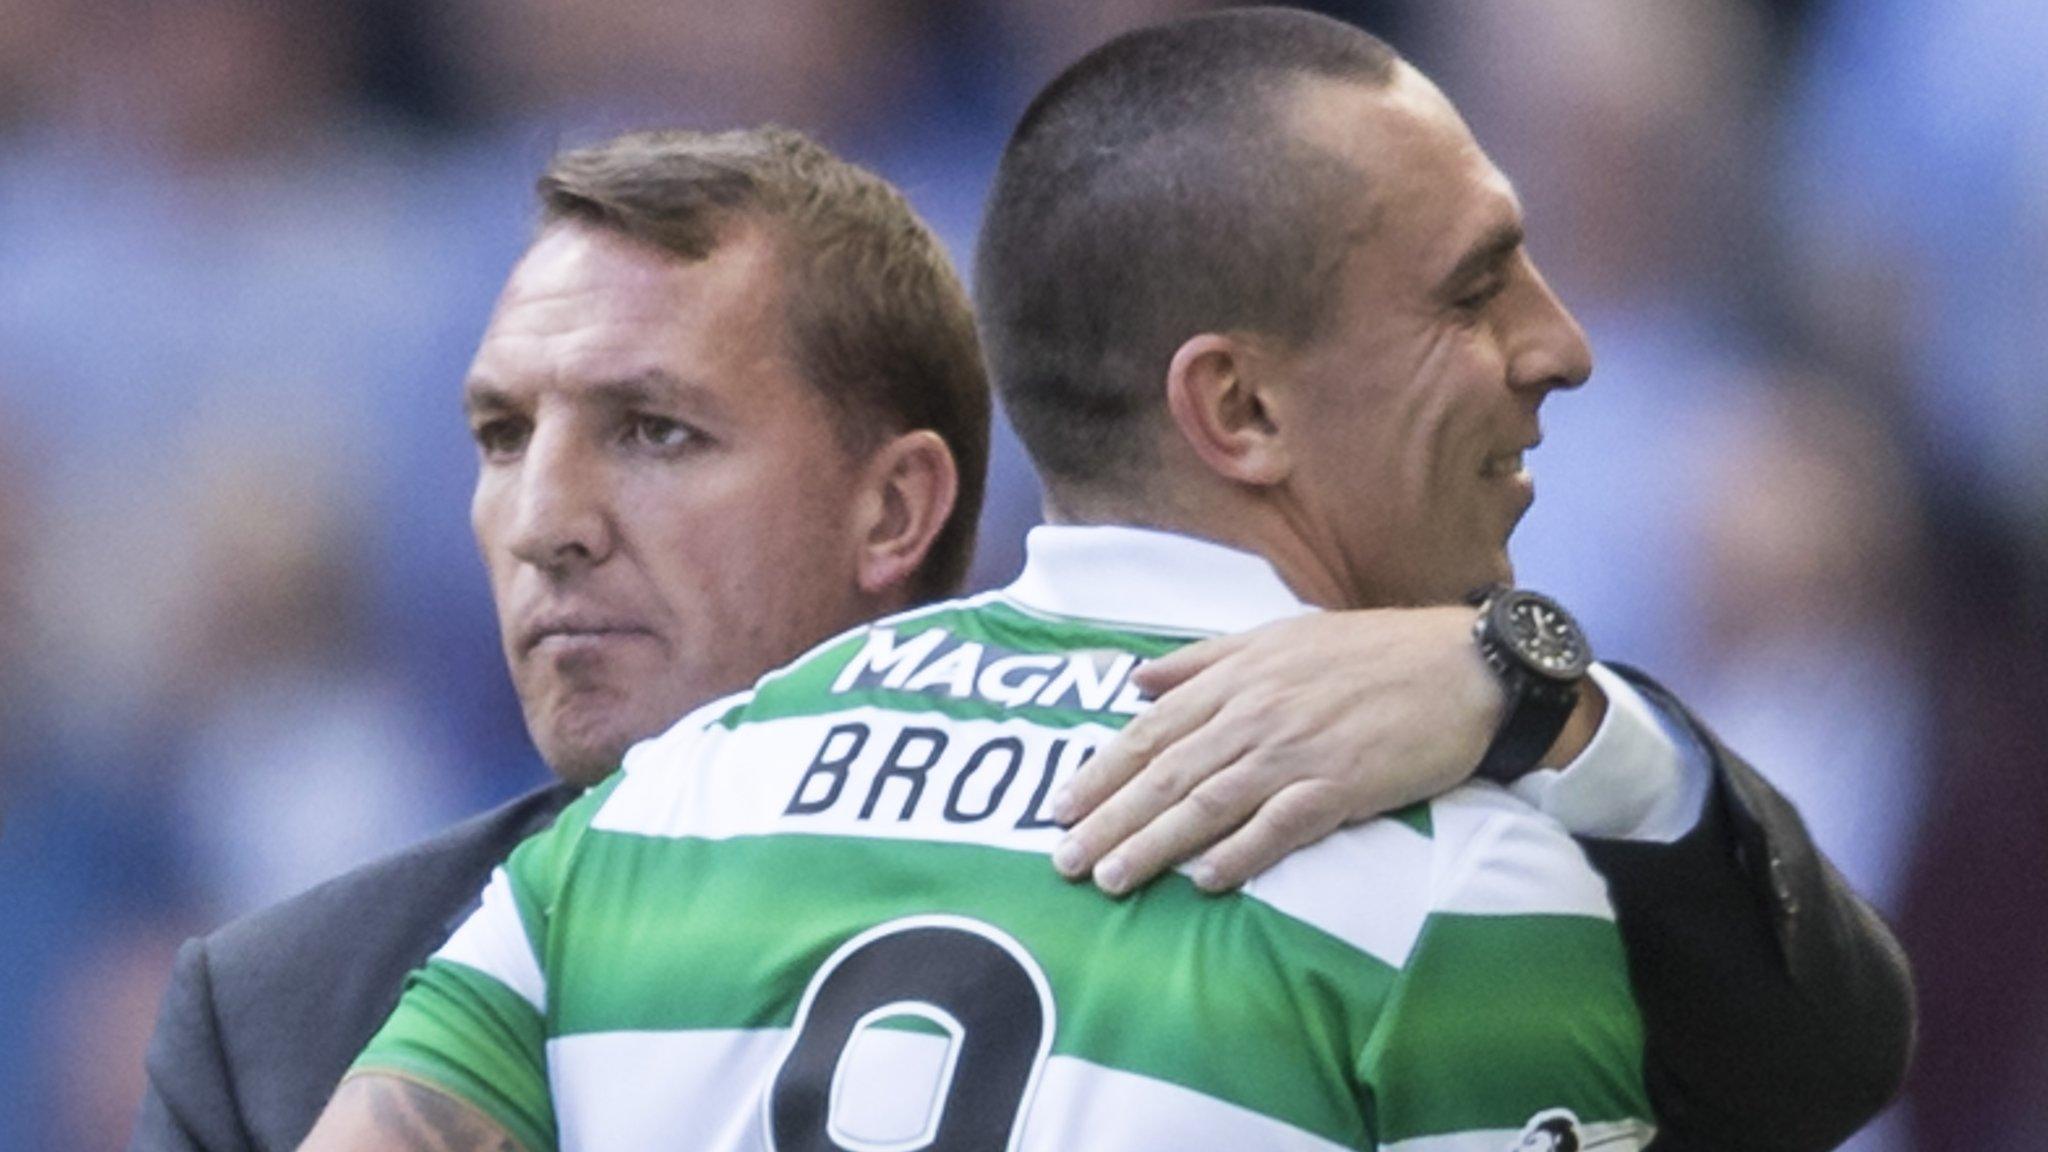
x=1536 y=649
x=1578 y=731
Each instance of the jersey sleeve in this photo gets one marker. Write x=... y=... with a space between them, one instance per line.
x=1512 y=1025
x=473 y=1021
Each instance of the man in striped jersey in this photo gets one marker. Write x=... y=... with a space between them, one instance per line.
x=816 y=915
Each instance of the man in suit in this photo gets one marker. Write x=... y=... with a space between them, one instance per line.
x=583 y=493
x=702 y=449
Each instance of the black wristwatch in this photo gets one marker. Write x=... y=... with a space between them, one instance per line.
x=1540 y=655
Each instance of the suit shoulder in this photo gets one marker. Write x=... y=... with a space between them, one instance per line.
x=297 y=989
x=417 y=888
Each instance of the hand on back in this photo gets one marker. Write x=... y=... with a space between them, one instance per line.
x=1263 y=743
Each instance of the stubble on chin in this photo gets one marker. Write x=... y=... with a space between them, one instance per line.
x=583 y=732
x=581 y=759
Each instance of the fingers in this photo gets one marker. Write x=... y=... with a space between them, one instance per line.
x=1201 y=818
x=1150 y=733
x=1166 y=812
x=1297 y=816
x=1159 y=676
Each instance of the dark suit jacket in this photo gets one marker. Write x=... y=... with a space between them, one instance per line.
x=1777 y=1007
x=264 y=1016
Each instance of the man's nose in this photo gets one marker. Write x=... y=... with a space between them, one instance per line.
x=563 y=519
x=1550 y=349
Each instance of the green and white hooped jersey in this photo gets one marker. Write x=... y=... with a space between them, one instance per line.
x=821 y=916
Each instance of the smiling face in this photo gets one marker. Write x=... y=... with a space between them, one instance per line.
x=664 y=505
x=1408 y=415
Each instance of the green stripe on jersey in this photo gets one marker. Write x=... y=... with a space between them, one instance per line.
x=1222 y=995
x=1415 y=816
x=1466 y=1036
x=540 y=864
x=917 y=702
x=806 y=688
x=466 y=1033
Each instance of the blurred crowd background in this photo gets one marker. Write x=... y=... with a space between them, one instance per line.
x=246 y=248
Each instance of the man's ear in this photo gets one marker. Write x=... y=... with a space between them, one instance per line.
x=908 y=490
x=1216 y=397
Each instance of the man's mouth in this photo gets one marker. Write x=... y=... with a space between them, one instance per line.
x=578 y=630
x=1503 y=465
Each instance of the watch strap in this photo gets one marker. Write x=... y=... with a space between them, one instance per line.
x=1535 y=718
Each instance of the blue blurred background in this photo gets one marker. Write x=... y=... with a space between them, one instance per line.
x=246 y=248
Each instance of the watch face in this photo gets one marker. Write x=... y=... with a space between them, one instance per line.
x=1544 y=636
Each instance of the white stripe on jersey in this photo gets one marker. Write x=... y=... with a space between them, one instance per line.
x=618 y=1089
x=1367 y=886
x=493 y=941
x=610 y=1092
x=722 y=784
x=1499 y=858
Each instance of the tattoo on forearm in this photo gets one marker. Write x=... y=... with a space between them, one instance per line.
x=419 y=1119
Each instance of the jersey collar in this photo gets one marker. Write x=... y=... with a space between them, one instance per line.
x=1144 y=578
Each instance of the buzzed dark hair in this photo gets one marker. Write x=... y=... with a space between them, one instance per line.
x=1152 y=193
x=879 y=323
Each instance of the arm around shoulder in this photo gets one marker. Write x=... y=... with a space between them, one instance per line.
x=1778 y=1007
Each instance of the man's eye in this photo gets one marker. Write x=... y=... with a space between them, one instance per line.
x=1477 y=300
x=659 y=432
x=499 y=438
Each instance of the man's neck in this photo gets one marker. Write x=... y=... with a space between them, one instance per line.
x=1246 y=525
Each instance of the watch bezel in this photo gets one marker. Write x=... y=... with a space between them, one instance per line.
x=1502 y=641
